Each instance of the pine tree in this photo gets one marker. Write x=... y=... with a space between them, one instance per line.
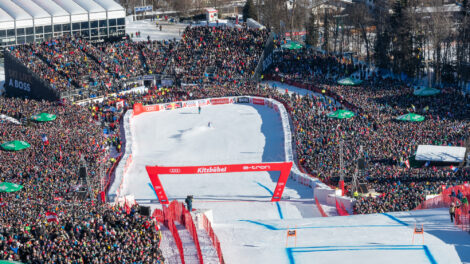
x=312 y=31
x=249 y=11
x=402 y=40
x=326 y=32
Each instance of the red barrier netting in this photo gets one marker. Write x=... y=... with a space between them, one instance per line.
x=341 y=211
x=159 y=215
x=448 y=196
x=214 y=238
x=177 y=212
x=320 y=208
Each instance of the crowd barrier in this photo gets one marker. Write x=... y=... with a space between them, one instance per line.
x=313 y=88
x=176 y=211
x=213 y=237
x=446 y=198
x=322 y=212
x=340 y=209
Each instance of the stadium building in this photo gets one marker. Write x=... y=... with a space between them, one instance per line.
x=25 y=21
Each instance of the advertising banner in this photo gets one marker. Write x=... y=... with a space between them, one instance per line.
x=258 y=101
x=171 y=106
x=269 y=103
x=243 y=100
x=190 y=104
x=283 y=167
x=22 y=82
x=151 y=108
x=203 y=102
x=217 y=101
x=167 y=82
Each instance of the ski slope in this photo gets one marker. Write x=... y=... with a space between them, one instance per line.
x=252 y=229
x=239 y=133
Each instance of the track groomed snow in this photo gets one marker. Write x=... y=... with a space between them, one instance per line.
x=250 y=228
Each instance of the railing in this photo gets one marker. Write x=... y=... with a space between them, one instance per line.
x=322 y=212
x=214 y=238
x=177 y=212
x=446 y=198
x=340 y=209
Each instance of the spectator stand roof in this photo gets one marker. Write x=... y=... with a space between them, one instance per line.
x=440 y=153
x=6 y=21
x=26 y=13
x=41 y=17
x=59 y=15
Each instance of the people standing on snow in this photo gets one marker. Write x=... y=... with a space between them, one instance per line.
x=189 y=202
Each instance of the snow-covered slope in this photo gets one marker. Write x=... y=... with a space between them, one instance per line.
x=252 y=229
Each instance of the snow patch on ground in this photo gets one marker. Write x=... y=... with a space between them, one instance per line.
x=150 y=28
x=251 y=228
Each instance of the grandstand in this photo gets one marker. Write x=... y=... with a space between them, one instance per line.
x=27 y=21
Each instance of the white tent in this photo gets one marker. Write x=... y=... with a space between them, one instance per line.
x=440 y=153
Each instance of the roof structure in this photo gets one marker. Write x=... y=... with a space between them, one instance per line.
x=26 y=13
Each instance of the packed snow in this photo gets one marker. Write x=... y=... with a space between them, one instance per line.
x=252 y=229
x=152 y=29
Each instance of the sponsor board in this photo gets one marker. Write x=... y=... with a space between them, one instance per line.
x=203 y=102
x=175 y=170
x=269 y=103
x=151 y=108
x=243 y=100
x=256 y=167
x=216 y=101
x=276 y=107
x=172 y=106
x=212 y=169
x=190 y=104
x=258 y=101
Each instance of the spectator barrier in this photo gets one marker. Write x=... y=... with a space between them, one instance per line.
x=322 y=212
x=315 y=89
x=213 y=237
x=176 y=211
x=340 y=210
x=449 y=196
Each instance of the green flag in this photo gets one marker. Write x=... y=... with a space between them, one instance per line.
x=10 y=187
x=411 y=117
x=15 y=145
x=43 y=117
x=341 y=114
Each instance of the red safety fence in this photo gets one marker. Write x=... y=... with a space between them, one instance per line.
x=177 y=212
x=191 y=227
x=320 y=208
x=214 y=238
x=168 y=222
x=448 y=196
x=344 y=208
x=340 y=210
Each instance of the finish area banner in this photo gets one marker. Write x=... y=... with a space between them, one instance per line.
x=283 y=167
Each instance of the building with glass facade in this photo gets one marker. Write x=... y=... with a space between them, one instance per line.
x=24 y=21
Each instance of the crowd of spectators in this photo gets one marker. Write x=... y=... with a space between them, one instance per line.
x=204 y=54
x=387 y=143
x=87 y=231
x=211 y=62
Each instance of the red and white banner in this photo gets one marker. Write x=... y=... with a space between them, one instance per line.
x=190 y=104
x=151 y=108
x=258 y=101
x=299 y=33
x=203 y=102
x=283 y=167
x=217 y=101
x=52 y=217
